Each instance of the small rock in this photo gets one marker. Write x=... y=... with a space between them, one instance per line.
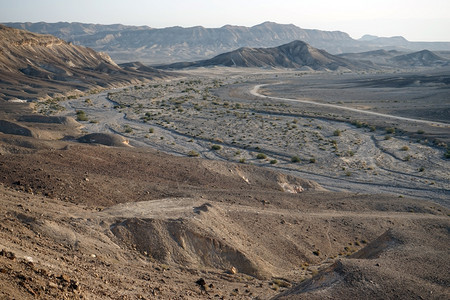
x=233 y=270
x=52 y=285
x=201 y=282
x=64 y=277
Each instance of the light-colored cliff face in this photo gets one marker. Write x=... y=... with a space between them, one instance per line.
x=21 y=49
x=36 y=66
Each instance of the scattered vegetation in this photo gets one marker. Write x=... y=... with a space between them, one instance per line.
x=216 y=147
x=81 y=116
x=261 y=156
x=390 y=130
x=295 y=159
x=193 y=153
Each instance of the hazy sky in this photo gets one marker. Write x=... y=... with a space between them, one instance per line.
x=415 y=20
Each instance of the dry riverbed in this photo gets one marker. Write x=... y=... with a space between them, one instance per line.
x=212 y=114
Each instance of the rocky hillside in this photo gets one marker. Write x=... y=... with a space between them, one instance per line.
x=397 y=59
x=423 y=58
x=35 y=66
x=296 y=55
x=175 y=44
x=84 y=221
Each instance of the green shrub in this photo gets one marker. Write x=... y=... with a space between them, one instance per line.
x=404 y=148
x=447 y=154
x=337 y=132
x=273 y=161
x=312 y=160
x=390 y=130
x=81 y=116
x=261 y=156
x=295 y=159
x=193 y=153
x=216 y=147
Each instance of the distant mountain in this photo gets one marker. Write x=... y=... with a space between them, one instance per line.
x=295 y=55
x=152 y=46
x=397 y=59
x=424 y=58
x=174 y=44
x=35 y=66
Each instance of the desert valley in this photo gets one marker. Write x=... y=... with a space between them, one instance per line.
x=265 y=162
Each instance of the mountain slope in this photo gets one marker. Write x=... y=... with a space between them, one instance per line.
x=423 y=58
x=296 y=54
x=396 y=59
x=175 y=44
x=34 y=66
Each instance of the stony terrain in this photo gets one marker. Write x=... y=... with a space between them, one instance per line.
x=342 y=150
x=98 y=222
x=224 y=184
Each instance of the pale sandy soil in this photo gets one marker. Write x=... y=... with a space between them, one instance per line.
x=216 y=108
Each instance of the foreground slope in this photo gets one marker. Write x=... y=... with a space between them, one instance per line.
x=295 y=55
x=93 y=221
x=36 y=66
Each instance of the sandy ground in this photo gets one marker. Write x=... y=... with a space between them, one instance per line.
x=188 y=116
x=218 y=220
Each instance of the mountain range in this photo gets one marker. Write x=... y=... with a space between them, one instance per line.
x=177 y=44
x=294 y=55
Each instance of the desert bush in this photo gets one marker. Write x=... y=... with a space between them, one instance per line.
x=193 y=153
x=273 y=161
x=81 y=116
x=404 y=148
x=390 y=130
x=447 y=154
x=242 y=160
x=337 y=132
x=295 y=159
x=387 y=137
x=420 y=131
x=312 y=160
x=128 y=129
x=261 y=156
x=216 y=147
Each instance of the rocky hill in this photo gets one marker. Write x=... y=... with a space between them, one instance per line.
x=423 y=58
x=294 y=55
x=397 y=59
x=36 y=66
x=175 y=44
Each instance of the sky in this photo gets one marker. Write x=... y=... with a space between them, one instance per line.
x=415 y=20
